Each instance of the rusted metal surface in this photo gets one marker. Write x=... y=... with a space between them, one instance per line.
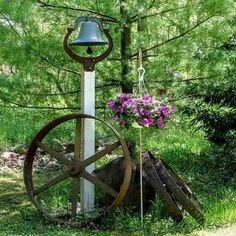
x=88 y=62
x=75 y=167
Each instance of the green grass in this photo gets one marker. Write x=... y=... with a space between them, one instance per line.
x=184 y=149
x=18 y=126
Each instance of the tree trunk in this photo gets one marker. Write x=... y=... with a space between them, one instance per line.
x=125 y=48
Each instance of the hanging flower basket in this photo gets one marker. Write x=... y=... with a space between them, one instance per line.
x=144 y=111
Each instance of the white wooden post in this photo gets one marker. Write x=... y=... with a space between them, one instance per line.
x=88 y=137
x=87 y=195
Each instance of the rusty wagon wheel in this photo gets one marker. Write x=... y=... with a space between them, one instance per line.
x=74 y=169
x=183 y=185
x=179 y=189
x=186 y=189
x=155 y=181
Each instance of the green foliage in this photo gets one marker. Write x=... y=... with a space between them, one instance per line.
x=171 y=34
x=18 y=126
x=184 y=149
x=212 y=102
x=188 y=48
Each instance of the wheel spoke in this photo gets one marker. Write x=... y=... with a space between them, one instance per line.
x=101 y=153
x=99 y=183
x=52 y=182
x=59 y=157
x=78 y=137
x=74 y=197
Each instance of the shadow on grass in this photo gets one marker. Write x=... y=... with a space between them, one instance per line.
x=19 y=217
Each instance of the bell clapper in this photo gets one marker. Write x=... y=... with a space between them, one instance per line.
x=89 y=50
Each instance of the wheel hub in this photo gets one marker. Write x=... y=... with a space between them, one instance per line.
x=75 y=168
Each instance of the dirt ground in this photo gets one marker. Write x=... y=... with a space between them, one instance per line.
x=229 y=231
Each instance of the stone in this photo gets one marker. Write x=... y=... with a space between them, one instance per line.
x=6 y=155
x=20 y=149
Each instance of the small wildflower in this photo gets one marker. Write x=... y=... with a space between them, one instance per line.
x=111 y=103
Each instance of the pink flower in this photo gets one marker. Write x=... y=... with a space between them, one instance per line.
x=147 y=102
x=142 y=122
x=150 y=121
x=111 y=103
x=165 y=110
x=124 y=104
x=146 y=122
x=116 y=118
x=165 y=113
x=135 y=110
x=160 y=123
x=120 y=109
x=146 y=97
x=147 y=112
x=142 y=112
x=156 y=110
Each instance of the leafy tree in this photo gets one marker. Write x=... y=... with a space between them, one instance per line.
x=37 y=73
x=213 y=103
x=188 y=47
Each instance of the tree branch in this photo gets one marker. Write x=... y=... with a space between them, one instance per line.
x=181 y=80
x=65 y=6
x=136 y=17
x=11 y=25
x=58 y=67
x=44 y=58
x=151 y=4
x=173 y=38
x=72 y=92
x=114 y=59
x=17 y=105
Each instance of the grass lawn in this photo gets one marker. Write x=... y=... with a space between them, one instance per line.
x=186 y=150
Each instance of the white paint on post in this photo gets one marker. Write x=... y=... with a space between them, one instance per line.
x=88 y=138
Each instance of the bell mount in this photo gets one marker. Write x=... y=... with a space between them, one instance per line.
x=87 y=62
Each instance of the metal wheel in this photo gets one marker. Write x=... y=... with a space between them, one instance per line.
x=186 y=189
x=166 y=198
x=180 y=191
x=72 y=170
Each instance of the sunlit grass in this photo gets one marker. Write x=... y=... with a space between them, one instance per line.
x=182 y=147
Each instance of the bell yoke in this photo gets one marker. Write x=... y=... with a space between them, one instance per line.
x=90 y=35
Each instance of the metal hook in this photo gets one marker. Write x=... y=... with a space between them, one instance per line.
x=141 y=71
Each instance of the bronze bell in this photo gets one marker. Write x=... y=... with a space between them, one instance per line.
x=89 y=35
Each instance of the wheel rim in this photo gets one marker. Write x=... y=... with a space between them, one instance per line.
x=75 y=168
x=155 y=182
x=188 y=203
